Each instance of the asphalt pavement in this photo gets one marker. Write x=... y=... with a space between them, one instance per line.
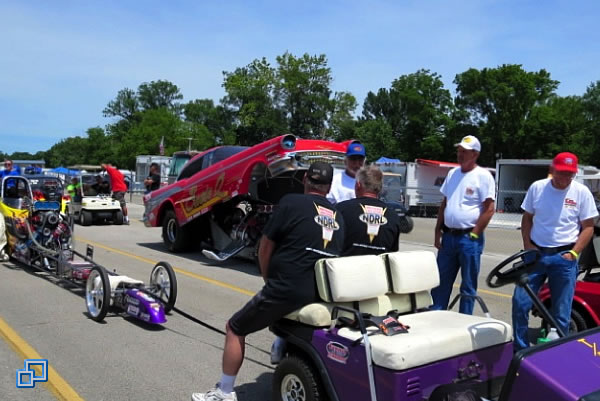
x=122 y=359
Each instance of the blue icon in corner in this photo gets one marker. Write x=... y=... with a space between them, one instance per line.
x=26 y=378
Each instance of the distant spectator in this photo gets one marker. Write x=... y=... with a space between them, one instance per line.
x=101 y=187
x=33 y=169
x=119 y=187
x=342 y=187
x=74 y=189
x=152 y=182
x=9 y=169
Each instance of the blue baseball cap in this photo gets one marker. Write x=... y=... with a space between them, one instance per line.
x=356 y=149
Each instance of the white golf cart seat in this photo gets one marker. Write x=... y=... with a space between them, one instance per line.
x=116 y=280
x=401 y=281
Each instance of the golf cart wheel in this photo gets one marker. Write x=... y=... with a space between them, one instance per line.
x=175 y=237
x=85 y=218
x=118 y=218
x=406 y=224
x=294 y=380
x=163 y=284
x=97 y=293
x=576 y=324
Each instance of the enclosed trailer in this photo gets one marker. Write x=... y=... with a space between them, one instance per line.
x=513 y=178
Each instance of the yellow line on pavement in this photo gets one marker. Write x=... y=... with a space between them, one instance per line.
x=177 y=269
x=56 y=384
x=223 y=284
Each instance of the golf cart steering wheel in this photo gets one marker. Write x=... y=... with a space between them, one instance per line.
x=526 y=264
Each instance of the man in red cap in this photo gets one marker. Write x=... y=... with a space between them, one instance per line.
x=558 y=220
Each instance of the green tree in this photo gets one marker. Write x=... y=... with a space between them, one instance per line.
x=418 y=109
x=251 y=98
x=125 y=105
x=590 y=140
x=158 y=95
x=498 y=102
x=378 y=137
x=216 y=119
x=303 y=89
x=342 y=124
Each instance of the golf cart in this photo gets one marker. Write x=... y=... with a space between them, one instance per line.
x=94 y=203
x=373 y=338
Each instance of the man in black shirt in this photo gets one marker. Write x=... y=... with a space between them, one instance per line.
x=101 y=187
x=152 y=182
x=371 y=227
x=304 y=228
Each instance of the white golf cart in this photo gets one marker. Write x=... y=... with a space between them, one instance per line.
x=94 y=202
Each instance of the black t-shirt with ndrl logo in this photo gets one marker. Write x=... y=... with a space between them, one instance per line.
x=371 y=227
x=305 y=228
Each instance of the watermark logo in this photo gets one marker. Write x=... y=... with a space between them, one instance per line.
x=26 y=378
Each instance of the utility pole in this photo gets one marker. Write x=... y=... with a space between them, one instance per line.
x=189 y=143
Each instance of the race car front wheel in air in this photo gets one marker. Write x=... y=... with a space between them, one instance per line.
x=294 y=380
x=163 y=284
x=97 y=293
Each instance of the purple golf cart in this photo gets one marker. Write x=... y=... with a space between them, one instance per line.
x=373 y=337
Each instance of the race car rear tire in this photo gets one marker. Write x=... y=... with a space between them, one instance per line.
x=85 y=218
x=163 y=284
x=175 y=237
x=295 y=380
x=97 y=293
x=118 y=218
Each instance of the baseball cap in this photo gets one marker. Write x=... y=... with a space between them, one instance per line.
x=469 y=142
x=565 y=161
x=320 y=173
x=356 y=149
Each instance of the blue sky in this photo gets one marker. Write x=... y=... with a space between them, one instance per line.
x=61 y=62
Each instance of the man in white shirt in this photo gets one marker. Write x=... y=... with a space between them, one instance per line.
x=342 y=186
x=558 y=220
x=466 y=210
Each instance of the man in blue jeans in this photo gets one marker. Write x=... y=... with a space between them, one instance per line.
x=466 y=210
x=559 y=222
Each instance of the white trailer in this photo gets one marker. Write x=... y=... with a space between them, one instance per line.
x=142 y=169
x=420 y=183
x=513 y=178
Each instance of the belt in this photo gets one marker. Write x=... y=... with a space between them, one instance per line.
x=456 y=231
x=553 y=250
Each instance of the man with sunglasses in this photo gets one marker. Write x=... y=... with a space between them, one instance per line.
x=558 y=220
x=9 y=169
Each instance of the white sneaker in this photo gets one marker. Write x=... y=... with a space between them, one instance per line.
x=214 y=395
x=277 y=350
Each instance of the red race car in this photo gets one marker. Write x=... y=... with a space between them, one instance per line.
x=224 y=196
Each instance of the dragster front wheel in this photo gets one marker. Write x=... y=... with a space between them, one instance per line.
x=163 y=284
x=97 y=293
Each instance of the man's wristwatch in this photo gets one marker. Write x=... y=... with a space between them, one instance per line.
x=473 y=236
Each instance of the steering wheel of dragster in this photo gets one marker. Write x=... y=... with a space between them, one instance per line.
x=526 y=264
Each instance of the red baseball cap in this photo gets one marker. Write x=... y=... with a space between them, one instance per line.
x=565 y=161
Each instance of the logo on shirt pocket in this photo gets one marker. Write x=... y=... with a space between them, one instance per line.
x=570 y=203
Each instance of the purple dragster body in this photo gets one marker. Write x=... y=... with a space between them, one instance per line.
x=144 y=307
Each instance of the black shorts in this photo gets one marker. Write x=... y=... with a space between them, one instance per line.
x=119 y=196
x=259 y=313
